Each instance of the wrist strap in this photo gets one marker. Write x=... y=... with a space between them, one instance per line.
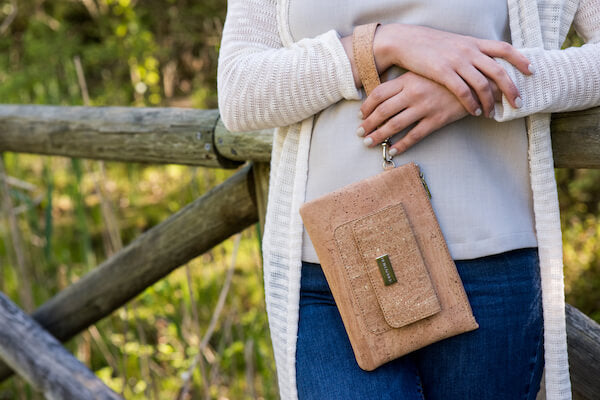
x=362 y=49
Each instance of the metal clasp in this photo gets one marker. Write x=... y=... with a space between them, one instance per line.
x=388 y=161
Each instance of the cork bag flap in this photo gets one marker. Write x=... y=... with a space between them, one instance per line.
x=388 y=280
x=396 y=271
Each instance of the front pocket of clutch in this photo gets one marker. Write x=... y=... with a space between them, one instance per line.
x=387 y=274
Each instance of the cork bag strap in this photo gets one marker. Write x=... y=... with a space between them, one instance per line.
x=362 y=49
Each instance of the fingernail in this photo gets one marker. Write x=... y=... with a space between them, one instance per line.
x=478 y=112
x=368 y=141
x=393 y=152
x=492 y=113
x=360 y=115
x=519 y=102
x=360 y=132
x=531 y=68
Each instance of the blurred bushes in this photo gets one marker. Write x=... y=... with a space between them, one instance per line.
x=151 y=52
x=579 y=195
x=73 y=214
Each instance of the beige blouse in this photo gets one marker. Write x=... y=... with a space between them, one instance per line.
x=476 y=168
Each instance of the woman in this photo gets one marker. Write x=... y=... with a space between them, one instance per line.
x=286 y=64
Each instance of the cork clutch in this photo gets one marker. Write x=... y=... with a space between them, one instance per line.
x=388 y=266
x=384 y=256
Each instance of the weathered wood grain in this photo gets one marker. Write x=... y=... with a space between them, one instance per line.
x=39 y=358
x=198 y=137
x=202 y=224
x=576 y=139
x=583 y=337
x=242 y=146
x=151 y=135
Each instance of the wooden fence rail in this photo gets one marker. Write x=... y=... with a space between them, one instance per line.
x=201 y=225
x=152 y=135
x=198 y=137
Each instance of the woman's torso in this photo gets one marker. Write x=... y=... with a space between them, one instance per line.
x=476 y=168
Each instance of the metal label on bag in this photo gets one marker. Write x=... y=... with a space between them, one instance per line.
x=385 y=268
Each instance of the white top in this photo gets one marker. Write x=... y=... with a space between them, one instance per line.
x=476 y=168
x=267 y=80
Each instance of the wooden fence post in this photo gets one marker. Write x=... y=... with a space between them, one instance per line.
x=39 y=358
x=201 y=225
x=583 y=336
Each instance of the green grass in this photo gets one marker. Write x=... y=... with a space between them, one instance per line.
x=145 y=349
x=164 y=52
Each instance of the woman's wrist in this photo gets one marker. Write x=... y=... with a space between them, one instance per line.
x=383 y=50
x=347 y=43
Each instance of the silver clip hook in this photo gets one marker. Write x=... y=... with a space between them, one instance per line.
x=388 y=161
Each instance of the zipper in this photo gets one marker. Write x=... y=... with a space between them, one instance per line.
x=422 y=176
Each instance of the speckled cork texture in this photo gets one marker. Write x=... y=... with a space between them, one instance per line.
x=346 y=227
x=388 y=232
x=389 y=213
x=362 y=51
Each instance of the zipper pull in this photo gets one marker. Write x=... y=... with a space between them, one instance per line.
x=424 y=184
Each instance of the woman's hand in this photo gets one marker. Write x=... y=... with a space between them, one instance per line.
x=463 y=64
x=398 y=103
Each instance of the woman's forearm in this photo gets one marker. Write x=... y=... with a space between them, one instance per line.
x=565 y=80
x=263 y=83
x=463 y=64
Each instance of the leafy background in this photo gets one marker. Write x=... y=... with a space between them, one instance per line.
x=72 y=214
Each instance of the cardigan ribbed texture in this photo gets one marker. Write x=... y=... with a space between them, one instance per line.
x=266 y=80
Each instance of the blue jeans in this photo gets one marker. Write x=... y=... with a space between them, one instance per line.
x=503 y=359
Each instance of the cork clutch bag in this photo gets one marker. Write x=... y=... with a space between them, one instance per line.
x=386 y=260
x=388 y=266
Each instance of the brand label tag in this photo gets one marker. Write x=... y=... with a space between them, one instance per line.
x=385 y=268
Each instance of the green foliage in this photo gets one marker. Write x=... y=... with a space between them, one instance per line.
x=146 y=348
x=153 y=52
x=164 y=52
x=131 y=53
x=579 y=197
x=579 y=194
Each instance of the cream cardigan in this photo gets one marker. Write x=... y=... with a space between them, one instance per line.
x=266 y=80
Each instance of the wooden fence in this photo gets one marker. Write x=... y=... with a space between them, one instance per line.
x=190 y=137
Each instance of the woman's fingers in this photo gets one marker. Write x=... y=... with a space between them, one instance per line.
x=397 y=123
x=496 y=91
x=414 y=136
x=382 y=113
x=500 y=77
x=495 y=48
x=380 y=94
x=455 y=84
x=460 y=63
x=421 y=106
x=481 y=86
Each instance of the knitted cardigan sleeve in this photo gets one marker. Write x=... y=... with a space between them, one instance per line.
x=564 y=80
x=263 y=84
